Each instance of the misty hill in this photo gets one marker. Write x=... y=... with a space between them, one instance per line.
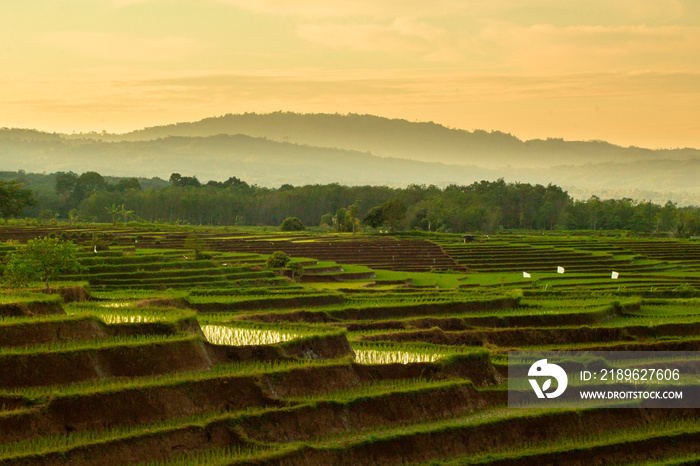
x=426 y=141
x=256 y=160
x=271 y=163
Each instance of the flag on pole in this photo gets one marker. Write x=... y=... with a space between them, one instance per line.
x=560 y=269
x=614 y=275
x=526 y=275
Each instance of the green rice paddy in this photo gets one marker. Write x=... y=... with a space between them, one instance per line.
x=381 y=350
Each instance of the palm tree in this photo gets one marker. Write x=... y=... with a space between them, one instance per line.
x=114 y=211
x=125 y=214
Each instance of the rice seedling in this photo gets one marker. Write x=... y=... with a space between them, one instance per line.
x=86 y=345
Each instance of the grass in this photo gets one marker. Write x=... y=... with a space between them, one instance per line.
x=665 y=430
x=37 y=395
x=37 y=448
x=380 y=388
x=217 y=456
x=28 y=297
x=88 y=345
x=441 y=280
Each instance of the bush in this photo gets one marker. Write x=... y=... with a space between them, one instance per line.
x=202 y=255
x=42 y=259
x=198 y=247
x=277 y=260
x=98 y=243
x=292 y=224
x=296 y=270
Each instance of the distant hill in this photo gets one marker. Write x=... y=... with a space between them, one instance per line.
x=426 y=141
x=256 y=160
x=356 y=150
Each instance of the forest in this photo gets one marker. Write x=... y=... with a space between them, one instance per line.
x=485 y=206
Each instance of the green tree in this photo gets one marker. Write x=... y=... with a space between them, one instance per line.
x=88 y=184
x=394 y=211
x=277 y=260
x=326 y=220
x=42 y=259
x=391 y=213
x=125 y=214
x=126 y=184
x=114 y=210
x=198 y=247
x=353 y=212
x=73 y=216
x=666 y=216
x=296 y=269
x=175 y=178
x=65 y=183
x=292 y=224
x=340 y=220
x=375 y=217
x=183 y=181
x=14 y=198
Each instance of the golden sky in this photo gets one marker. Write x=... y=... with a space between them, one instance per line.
x=624 y=71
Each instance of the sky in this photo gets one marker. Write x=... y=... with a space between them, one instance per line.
x=623 y=71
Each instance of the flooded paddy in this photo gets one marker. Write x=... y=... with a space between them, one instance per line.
x=363 y=356
x=128 y=318
x=236 y=336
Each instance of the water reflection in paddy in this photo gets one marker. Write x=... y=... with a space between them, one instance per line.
x=392 y=357
x=234 y=336
x=128 y=318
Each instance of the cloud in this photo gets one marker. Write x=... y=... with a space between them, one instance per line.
x=364 y=8
x=401 y=35
x=593 y=48
x=122 y=3
x=116 y=47
x=573 y=11
x=647 y=109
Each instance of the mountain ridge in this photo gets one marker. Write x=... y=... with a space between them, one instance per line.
x=423 y=141
x=267 y=161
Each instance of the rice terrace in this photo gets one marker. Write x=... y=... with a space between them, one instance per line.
x=353 y=233
x=362 y=349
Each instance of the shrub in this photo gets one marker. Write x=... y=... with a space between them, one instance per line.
x=292 y=224
x=42 y=258
x=296 y=269
x=98 y=243
x=198 y=247
x=277 y=260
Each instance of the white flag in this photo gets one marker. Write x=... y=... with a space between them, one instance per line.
x=560 y=269
x=526 y=275
x=614 y=275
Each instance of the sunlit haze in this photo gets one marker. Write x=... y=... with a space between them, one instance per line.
x=623 y=71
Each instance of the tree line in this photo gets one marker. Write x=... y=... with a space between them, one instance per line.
x=485 y=206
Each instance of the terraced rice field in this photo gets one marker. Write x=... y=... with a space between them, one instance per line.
x=148 y=356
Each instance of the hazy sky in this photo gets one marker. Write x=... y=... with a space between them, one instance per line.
x=624 y=71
